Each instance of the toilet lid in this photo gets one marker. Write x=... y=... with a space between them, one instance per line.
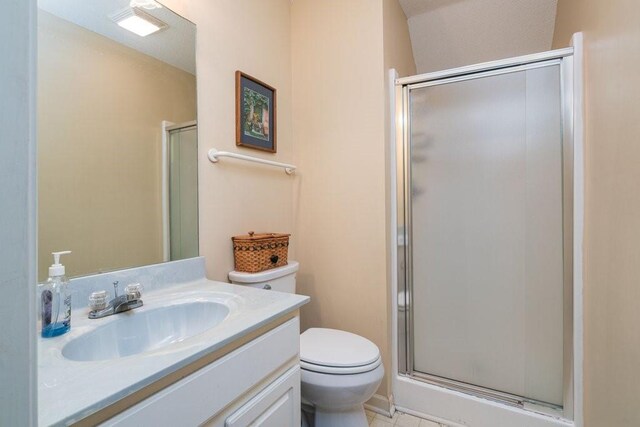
x=338 y=349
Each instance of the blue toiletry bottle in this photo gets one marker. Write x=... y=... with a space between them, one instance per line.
x=55 y=300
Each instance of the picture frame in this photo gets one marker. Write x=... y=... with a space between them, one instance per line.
x=256 y=114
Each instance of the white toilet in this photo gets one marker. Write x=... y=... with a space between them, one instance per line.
x=340 y=370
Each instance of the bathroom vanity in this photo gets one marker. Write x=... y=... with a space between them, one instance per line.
x=197 y=352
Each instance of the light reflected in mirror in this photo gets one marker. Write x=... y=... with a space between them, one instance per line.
x=117 y=137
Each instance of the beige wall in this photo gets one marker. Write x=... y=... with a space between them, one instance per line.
x=339 y=84
x=253 y=36
x=99 y=147
x=612 y=218
x=327 y=60
x=397 y=42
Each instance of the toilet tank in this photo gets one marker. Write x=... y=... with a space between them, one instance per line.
x=281 y=279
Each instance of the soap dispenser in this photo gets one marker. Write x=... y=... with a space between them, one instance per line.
x=55 y=300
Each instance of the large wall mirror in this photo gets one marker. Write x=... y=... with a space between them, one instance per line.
x=117 y=135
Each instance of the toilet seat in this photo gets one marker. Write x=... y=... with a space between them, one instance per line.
x=331 y=351
x=334 y=370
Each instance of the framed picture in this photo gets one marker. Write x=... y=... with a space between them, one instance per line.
x=255 y=114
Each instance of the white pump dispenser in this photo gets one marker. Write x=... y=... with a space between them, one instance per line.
x=55 y=300
x=57 y=269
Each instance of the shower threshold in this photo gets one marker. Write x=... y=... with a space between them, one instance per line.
x=540 y=407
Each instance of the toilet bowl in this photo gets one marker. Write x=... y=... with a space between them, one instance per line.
x=340 y=370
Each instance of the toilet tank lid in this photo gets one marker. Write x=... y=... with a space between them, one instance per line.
x=264 y=276
x=332 y=347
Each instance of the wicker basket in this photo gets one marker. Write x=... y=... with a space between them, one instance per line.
x=258 y=252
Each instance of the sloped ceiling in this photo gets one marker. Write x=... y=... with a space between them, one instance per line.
x=452 y=33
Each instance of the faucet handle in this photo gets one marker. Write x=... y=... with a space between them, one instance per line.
x=115 y=289
x=133 y=291
x=98 y=300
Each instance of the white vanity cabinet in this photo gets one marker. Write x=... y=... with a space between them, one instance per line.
x=256 y=384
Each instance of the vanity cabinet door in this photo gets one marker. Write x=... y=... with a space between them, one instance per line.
x=278 y=405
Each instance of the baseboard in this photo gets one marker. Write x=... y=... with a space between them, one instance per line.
x=381 y=405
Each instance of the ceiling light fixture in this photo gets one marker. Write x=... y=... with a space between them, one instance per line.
x=146 y=4
x=137 y=21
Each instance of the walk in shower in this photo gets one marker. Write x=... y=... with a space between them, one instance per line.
x=485 y=232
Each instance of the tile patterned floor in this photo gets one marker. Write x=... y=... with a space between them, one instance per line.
x=399 y=420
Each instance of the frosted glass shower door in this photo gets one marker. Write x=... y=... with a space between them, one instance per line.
x=183 y=193
x=487 y=232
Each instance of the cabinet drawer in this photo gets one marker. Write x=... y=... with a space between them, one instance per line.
x=203 y=394
x=278 y=405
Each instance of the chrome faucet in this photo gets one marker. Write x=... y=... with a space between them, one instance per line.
x=120 y=303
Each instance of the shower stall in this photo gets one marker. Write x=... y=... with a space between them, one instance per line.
x=485 y=222
x=180 y=190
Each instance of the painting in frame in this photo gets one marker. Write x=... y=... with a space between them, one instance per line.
x=255 y=113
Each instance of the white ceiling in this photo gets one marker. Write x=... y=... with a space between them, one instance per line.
x=175 y=45
x=452 y=33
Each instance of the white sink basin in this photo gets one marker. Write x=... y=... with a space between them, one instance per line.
x=138 y=331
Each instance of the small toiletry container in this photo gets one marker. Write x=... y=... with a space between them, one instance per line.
x=55 y=300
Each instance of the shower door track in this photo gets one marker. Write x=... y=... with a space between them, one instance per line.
x=563 y=57
x=487 y=393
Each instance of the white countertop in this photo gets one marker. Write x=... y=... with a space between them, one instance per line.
x=69 y=391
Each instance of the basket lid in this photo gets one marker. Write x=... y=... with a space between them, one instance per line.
x=259 y=236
